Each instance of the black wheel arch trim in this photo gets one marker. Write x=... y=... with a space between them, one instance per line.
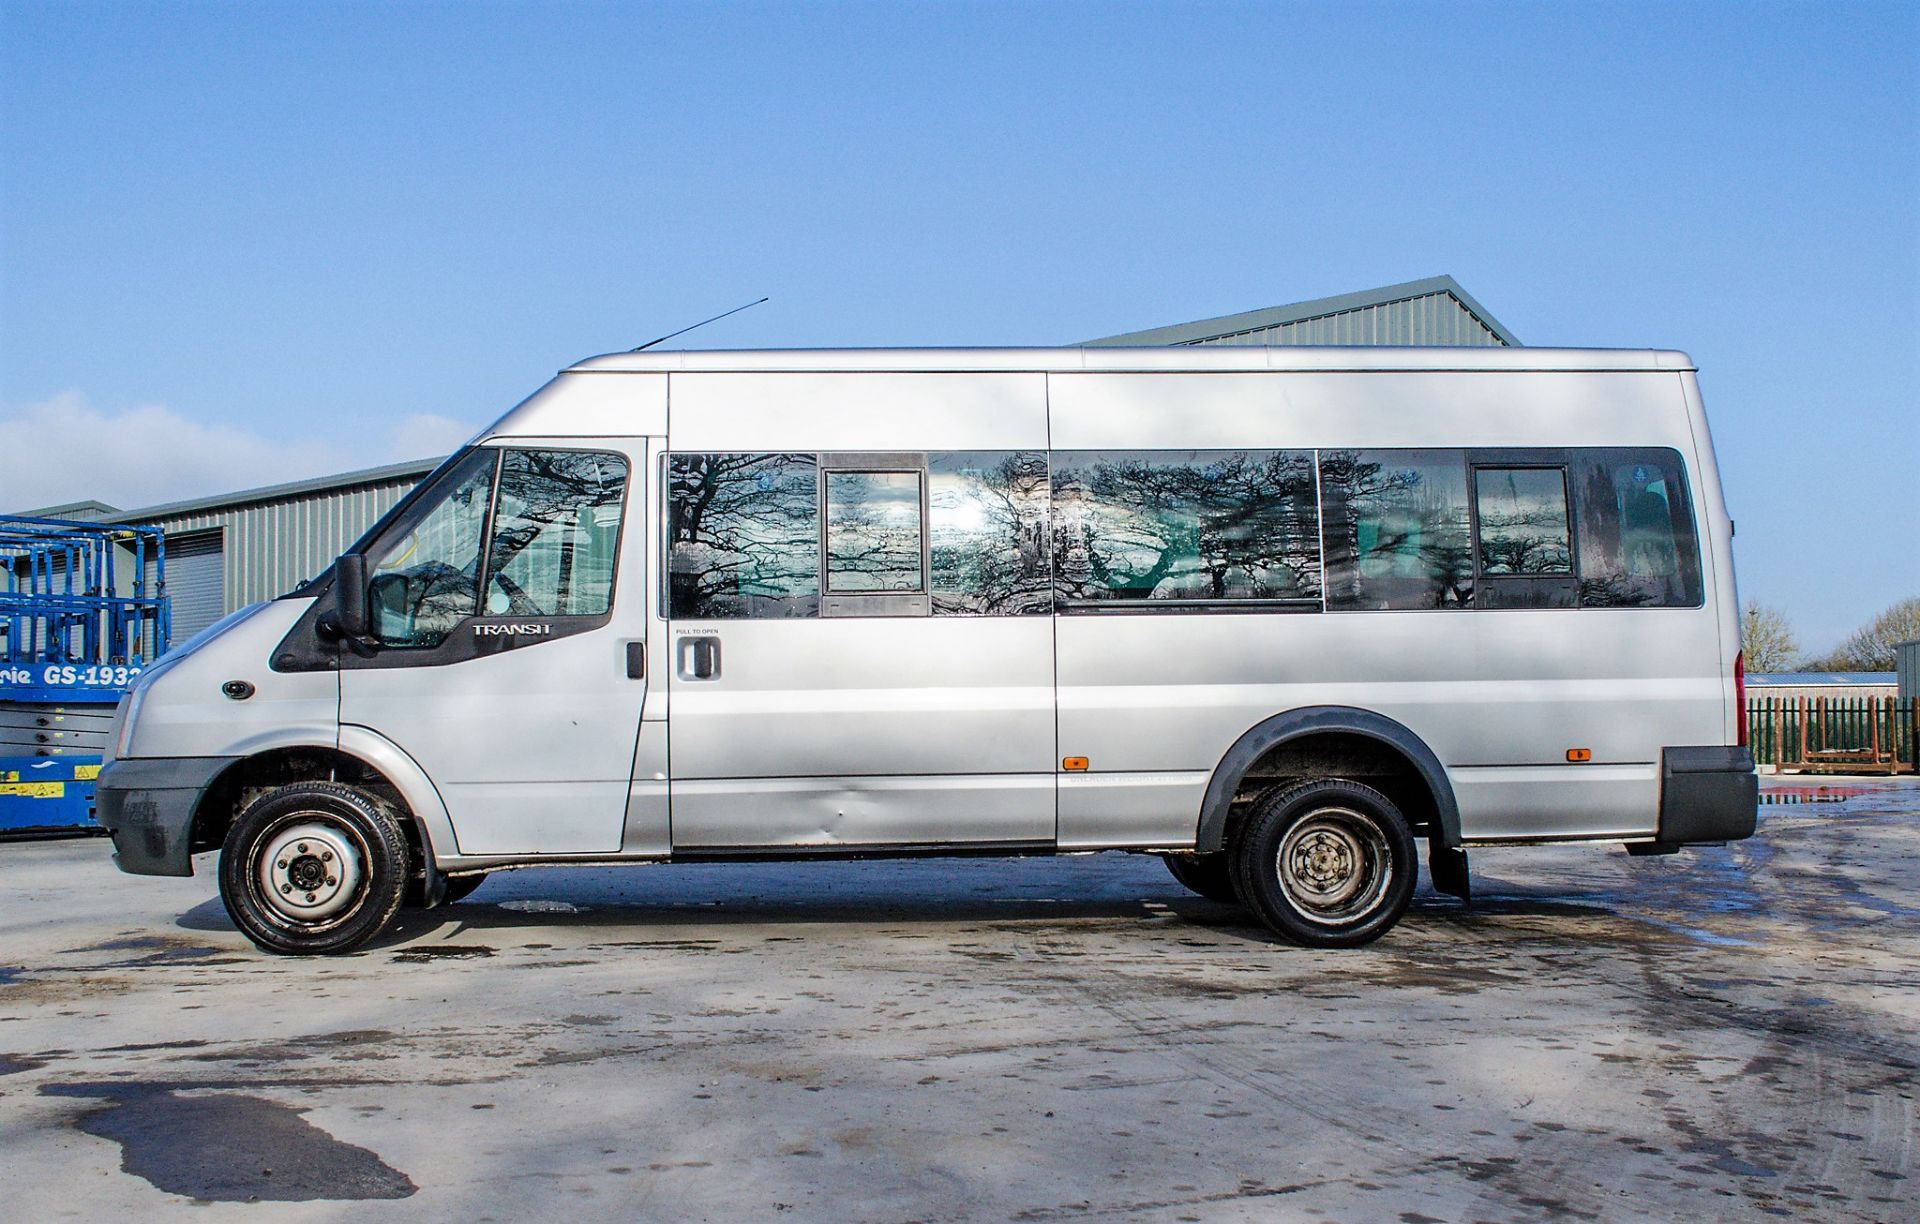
x=1316 y=720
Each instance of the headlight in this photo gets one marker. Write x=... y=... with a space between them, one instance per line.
x=120 y=735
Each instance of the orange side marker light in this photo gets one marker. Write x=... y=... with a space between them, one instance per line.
x=1074 y=764
x=1579 y=756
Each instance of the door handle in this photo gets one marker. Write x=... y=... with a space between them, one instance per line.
x=697 y=658
x=636 y=660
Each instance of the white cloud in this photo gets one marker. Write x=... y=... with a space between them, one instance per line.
x=64 y=449
x=428 y=435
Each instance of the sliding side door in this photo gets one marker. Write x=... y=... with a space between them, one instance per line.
x=862 y=652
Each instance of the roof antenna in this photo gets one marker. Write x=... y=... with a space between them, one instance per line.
x=702 y=323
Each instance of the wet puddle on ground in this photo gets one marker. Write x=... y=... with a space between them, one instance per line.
x=227 y=1147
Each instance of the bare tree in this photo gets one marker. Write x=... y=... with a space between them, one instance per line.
x=1767 y=639
x=1871 y=648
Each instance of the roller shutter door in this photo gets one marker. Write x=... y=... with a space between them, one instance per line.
x=196 y=581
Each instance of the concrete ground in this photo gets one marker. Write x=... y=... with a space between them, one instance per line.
x=1727 y=1033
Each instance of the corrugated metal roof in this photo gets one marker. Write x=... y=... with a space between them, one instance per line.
x=1432 y=311
x=200 y=506
x=79 y=512
x=1144 y=358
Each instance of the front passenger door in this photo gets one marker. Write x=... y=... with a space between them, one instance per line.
x=502 y=607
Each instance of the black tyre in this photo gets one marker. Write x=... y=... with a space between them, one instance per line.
x=1326 y=862
x=458 y=889
x=1210 y=875
x=313 y=868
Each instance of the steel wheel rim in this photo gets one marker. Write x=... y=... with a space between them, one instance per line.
x=1332 y=865
x=312 y=871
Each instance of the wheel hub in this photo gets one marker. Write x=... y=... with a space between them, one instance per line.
x=1333 y=865
x=311 y=871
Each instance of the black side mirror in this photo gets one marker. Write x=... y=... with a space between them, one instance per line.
x=350 y=596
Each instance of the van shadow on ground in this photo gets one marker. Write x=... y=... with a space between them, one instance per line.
x=954 y=893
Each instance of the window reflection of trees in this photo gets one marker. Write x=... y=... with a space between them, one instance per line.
x=987 y=522
x=1398 y=532
x=1214 y=525
x=873 y=532
x=427 y=581
x=556 y=527
x=744 y=535
x=1523 y=521
x=1636 y=538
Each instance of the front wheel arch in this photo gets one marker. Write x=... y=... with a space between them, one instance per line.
x=246 y=779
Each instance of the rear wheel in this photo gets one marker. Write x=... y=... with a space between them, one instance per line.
x=1210 y=875
x=1326 y=862
x=313 y=868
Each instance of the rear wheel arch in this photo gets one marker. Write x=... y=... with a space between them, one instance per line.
x=1330 y=741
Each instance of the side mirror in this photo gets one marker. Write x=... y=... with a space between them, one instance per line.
x=350 y=596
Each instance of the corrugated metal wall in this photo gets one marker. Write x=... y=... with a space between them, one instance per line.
x=1907 y=660
x=273 y=546
x=1437 y=318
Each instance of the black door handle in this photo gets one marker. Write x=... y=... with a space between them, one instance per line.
x=636 y=660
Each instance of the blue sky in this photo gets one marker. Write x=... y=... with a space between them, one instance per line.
x=243 y=243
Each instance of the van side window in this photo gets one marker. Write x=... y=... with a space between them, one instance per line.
x=1524 y=534
x=425 y=582
x=873 y=533
x=556 y=527
x=1191 y=528
x=987 y=516
x=1398 y=532
x=1523 y=521
x=743 y=535
x=1637 y=544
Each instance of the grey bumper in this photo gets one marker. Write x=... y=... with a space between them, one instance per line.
x=147 y=804
x=1707 y=794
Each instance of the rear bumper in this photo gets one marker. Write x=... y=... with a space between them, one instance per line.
x=147 y=804
x=1709 y=794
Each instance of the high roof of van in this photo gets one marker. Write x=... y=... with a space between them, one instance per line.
x=1161 y=358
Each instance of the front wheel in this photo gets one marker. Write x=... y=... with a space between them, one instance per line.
x=313 y=868
x=1326 y=862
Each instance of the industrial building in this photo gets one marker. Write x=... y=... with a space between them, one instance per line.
x=233 y=549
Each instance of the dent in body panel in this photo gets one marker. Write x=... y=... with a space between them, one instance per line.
x=851 y=811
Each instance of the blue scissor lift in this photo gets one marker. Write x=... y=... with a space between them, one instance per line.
x=83 y=608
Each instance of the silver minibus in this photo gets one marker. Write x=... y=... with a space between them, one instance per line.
x=1278 y=615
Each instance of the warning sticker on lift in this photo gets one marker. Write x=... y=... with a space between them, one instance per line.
x=35 y=790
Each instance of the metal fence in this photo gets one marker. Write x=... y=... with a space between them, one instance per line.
x=1835 y=734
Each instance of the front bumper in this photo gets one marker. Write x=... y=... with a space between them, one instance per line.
x=1709 y=794
x=147 y=804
